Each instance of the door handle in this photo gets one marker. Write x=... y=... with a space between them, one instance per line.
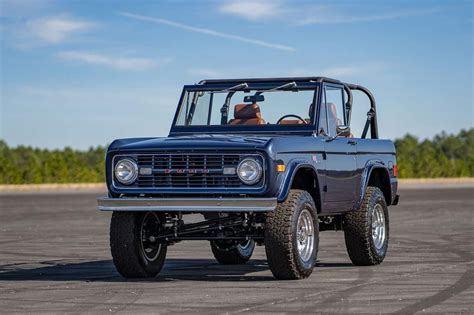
x=352 y=142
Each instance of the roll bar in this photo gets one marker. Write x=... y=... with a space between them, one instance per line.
x=371 y=114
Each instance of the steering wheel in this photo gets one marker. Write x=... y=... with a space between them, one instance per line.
x=291 y=115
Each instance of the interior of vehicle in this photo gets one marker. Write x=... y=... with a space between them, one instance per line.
x=262 y=107
x=250 y=114
x=211 y=108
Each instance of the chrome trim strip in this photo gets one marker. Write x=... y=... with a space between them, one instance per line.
x=188 y=204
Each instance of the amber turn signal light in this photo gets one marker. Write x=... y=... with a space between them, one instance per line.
x=281 y=168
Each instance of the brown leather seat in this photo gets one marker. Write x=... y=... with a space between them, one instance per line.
x=247 y=114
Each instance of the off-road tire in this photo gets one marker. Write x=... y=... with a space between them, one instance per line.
x=231 y=253
x=126 y=248
x=281 y=237
x=358 y=230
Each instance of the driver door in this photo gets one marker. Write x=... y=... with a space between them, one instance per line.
x=340 y=152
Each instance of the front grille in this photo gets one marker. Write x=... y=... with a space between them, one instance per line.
x=190 y=170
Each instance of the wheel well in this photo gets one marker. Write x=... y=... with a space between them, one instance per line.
x=379 y=178
x=306 y=179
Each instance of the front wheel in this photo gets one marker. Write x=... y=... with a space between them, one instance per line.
x=232 y=252
x=292 y=237
x=135 y=248
x=366 y=230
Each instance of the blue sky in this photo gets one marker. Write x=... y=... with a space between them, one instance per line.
x=82 y=73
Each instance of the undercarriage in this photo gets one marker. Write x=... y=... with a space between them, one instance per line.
x=225 y=226
x=216 y=226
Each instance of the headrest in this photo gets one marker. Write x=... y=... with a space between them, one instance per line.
x=332 y=109
x=247 y=111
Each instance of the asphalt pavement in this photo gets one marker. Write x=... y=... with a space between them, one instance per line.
x=54 y=257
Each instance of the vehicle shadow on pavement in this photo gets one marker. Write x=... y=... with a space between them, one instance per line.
x=333 y=265
x=104 y=270
x=174 y=269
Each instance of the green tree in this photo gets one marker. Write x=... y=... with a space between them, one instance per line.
x=444 y=156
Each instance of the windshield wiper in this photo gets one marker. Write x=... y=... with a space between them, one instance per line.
x=236 y=87
x=288 y=85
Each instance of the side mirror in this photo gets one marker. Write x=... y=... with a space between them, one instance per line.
x=343 y=131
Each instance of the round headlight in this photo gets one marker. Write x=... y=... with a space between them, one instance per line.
x=126 y=171
x=249 y=171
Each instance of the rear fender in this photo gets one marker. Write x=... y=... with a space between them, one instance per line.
x=370 y=167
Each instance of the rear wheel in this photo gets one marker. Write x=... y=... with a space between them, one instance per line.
x=135 y=249
x=232 y=252
x=292 y=237
x=366 y=230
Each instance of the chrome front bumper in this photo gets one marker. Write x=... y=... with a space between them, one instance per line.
x=188 y=204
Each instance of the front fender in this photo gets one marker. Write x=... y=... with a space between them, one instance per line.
x=370 y=166
x=291 y=169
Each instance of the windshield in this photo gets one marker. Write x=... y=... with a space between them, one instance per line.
x=243 y=106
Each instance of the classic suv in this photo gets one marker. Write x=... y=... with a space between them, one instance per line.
x=264 y=161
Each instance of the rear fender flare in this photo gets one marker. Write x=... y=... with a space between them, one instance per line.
x=370 y=166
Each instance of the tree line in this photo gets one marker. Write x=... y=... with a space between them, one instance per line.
x=27 y=165
x=443 y=156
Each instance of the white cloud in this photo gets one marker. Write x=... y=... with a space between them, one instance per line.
x=57 y=29
x=325 y=15
x=115 y=62
x=207 y=31
x=252 y=9
x=307 y=14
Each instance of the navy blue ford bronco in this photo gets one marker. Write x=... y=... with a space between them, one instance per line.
x=261 y=162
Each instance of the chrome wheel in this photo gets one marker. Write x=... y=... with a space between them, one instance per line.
x=149 y=230
x=305 y=235
x=378 y=227
x=245 y=245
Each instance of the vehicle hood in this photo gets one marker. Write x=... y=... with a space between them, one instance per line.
x=190 y=142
